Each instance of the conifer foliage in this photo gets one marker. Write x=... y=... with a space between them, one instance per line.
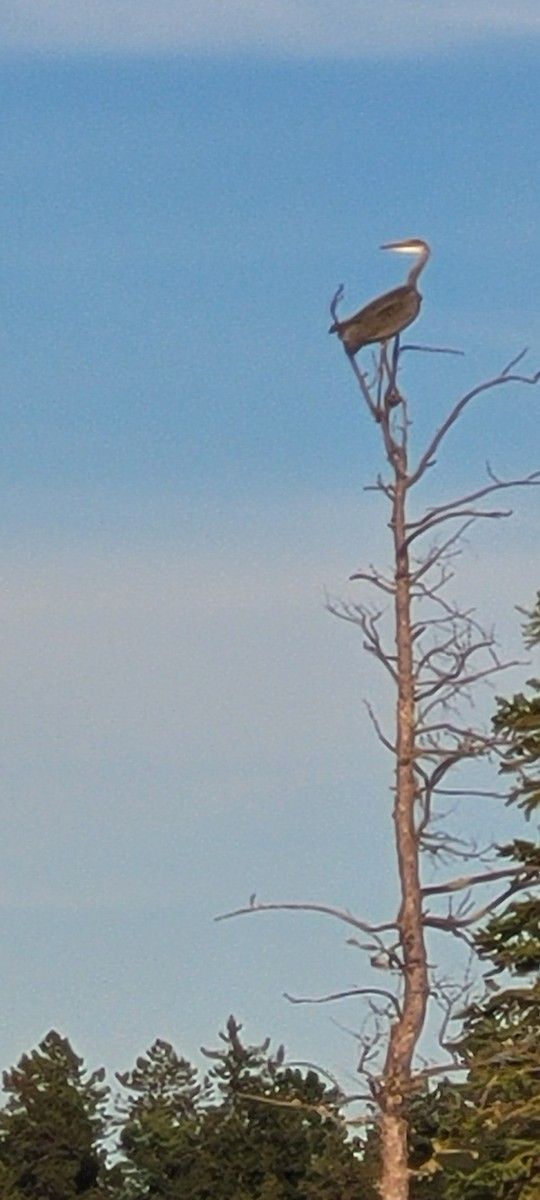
x=159 y=1123
x=252 y=1128
x=499 y=1113
x=51 y=1126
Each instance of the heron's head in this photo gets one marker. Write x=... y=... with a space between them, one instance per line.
x=409 y=246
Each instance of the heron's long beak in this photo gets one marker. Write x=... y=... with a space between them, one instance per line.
x=402 y=247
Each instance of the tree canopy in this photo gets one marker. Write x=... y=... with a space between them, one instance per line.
x=251 y=1128
x=52 y=1125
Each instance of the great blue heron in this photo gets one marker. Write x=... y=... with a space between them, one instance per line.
x=386 y=316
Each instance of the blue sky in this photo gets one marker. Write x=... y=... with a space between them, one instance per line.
x=182 y=462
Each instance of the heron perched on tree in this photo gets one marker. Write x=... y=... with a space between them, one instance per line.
x=386 y=316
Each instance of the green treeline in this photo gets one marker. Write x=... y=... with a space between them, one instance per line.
x=253 y=1128
x=250 y=1127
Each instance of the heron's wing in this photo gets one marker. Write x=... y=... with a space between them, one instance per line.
x=385 y=307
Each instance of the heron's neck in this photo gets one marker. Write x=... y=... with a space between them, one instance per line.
x=418 y=266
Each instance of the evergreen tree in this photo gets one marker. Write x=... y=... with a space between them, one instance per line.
x=280 y=1128
x=51 y=1126
x=502 y=1035
x=494 y=1116
x=160 y=1122
x=480 y=1139
x=519 y=720
x=255 y=1129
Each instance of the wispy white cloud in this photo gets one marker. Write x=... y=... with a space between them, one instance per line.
x=295 y=28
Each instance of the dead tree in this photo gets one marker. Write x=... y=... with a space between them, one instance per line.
x=434 y=652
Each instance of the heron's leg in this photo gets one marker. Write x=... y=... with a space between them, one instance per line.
x=395 y=359
x=382 y=369
x=393 y=395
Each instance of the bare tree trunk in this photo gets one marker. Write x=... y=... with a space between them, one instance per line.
x=394 y=1181
x=406 y=1030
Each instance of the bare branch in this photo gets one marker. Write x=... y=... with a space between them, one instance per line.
x=455 y=657
x=490 y=384
x=340 y=914
x=345 y=995
x=448 y=995
x=376 y=579
x=442 y=845
x=336 y=299
x=373 y=408
x=460 y=684
x=485 y=794
x=431 y=349
x=475 y=513
x=514 y=361
x=448 y=925
x=458 y=925
x=380 y=486
x=367 y=622
x=381 y=736
x=498 y=485
x=441 y=1069
x=322 y=1110
x=441 y=551
x=469 y=881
